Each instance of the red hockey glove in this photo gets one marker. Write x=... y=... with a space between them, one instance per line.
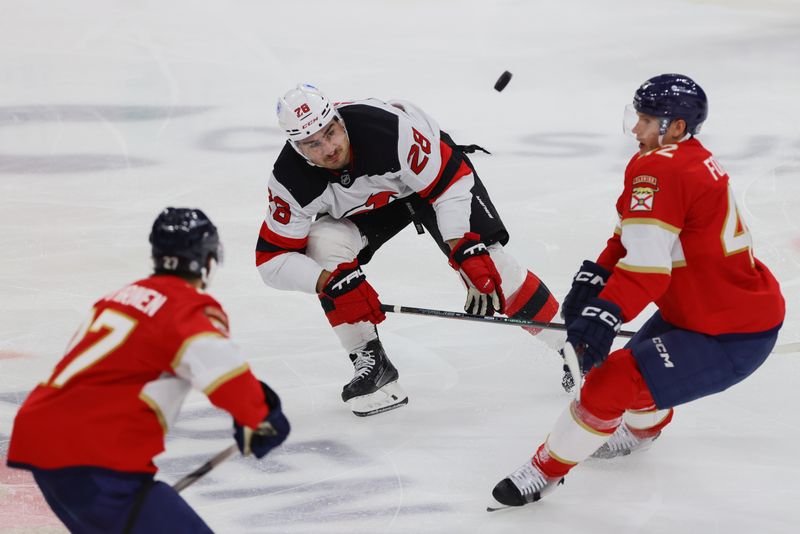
x=347 y=297
x=471 y=259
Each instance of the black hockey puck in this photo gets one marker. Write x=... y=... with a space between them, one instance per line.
x=502 y=81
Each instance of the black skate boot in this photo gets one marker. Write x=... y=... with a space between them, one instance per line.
x=524 y=486
x=374 y=388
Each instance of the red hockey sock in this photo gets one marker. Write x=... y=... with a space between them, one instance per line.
x=618 y=386
x=532 y=301
x=549 y=465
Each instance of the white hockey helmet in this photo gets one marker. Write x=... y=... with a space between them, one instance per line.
x=303 y=111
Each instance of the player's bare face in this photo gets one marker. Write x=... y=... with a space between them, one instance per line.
x=329 y=148
x=647 y=132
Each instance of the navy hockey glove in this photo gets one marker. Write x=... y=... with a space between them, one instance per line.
x=471 y=259
x=347 y=297
x=593 y=332
x=586 y=284
x=270 y=433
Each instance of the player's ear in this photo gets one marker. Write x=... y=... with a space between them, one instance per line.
x=678 y=127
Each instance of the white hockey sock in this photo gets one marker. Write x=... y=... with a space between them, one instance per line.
x=577 y=434
x=355 y=336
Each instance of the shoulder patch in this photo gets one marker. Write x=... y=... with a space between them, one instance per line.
x=644 y=192
x=646 y=179
x=218 y=319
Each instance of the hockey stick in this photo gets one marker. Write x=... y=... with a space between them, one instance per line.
x=483 y=318
x=574 y=366
x=204 y=469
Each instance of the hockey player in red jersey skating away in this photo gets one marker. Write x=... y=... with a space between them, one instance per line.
x=90 y=432
x=350 y=177
x=681 y=242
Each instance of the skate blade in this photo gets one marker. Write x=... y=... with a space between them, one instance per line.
x=499 y=506
x=387 y=398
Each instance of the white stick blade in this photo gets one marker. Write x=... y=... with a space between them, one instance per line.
x=571 y=359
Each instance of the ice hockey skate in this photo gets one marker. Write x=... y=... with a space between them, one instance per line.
x=524 y=486
x=374 y=388
x=622 y=442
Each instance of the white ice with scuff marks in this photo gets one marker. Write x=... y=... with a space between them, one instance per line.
x=110 y=111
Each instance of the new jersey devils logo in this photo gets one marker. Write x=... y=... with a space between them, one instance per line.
x=374 y=201
x=379 y=200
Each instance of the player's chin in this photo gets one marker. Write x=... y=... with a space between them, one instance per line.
x=334 y=161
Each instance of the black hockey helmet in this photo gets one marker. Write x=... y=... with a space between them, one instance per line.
x=182 y=241
x=673 y=96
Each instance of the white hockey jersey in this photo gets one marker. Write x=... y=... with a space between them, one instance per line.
x=396 y=151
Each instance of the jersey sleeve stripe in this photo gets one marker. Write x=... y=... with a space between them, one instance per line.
x=233 y=373
x=649 y=248
x=176 y=361
x=264 y=257
x=268 y=237
x=153 y=405
x=656 y=222
x=636 y=269
x=453 y=168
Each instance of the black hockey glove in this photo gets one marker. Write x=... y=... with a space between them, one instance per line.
x=270 y=433
x=593 y=332
x=587 y=283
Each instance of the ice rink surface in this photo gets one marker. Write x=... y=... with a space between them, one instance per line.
x=111 y=110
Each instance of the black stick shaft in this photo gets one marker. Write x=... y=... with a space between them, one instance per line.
x=483 y=318
x=204 y=469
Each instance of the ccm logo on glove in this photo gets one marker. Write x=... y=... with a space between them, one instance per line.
x=607 y=317
x=590 y=278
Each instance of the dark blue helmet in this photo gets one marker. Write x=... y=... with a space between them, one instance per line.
x=673 y=96
x=183 y=239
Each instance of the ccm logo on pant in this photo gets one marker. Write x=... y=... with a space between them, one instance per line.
x=662 y=351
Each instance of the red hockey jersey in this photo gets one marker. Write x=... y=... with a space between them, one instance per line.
x=112 y=397
x=682 y=243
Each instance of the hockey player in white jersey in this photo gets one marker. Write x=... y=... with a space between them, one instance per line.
x=350 y=177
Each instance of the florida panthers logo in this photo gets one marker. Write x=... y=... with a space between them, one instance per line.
x=644 y=193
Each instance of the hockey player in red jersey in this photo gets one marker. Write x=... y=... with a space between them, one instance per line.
x=681 y=243
x=90 y=432
x=350 y=177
